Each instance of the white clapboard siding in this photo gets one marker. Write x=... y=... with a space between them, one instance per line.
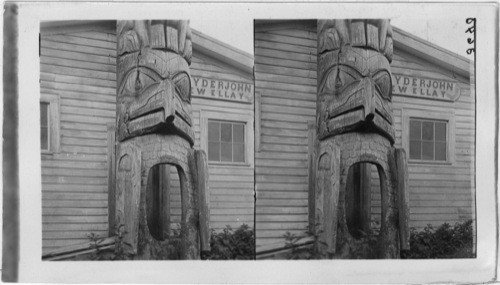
x=439 y=192
x=80 y=68
x=231 y=187
x=285 y=76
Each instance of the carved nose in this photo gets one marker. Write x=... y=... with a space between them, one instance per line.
x=369 y=105
x=166 y=88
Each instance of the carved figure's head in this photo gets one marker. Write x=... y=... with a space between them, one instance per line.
x=354 y=77
x=154 y=84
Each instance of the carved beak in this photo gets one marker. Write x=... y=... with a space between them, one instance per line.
x=160 y=98
x=368 y=98
x=156 y=98
x=159 y=106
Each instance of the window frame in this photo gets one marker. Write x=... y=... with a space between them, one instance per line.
x=230 y=117
x=421 y=121
x=447 y=116
x=53 y=123
x=49 y=141
x=232 y=123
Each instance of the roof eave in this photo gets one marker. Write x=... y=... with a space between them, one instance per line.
x=431 y=52
x=223 y=52
x=55 y=27
x=407 y=42
x=201 y=42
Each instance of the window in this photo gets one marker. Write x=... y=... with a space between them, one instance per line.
x=227 y=137
x=226 y=141
x=44 y=126
x=428 y=136
x=49 y=123
x=428 y=139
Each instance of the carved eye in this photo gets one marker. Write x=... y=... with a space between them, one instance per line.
x=383 y=83
x=139 y=80
x=338 y=78
x=183 y=85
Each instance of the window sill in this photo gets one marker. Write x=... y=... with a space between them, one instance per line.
x=238 y=164
x=431 y=162
x=47 y=152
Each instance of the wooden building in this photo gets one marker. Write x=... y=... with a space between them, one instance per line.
x=78 y=115
x=259 y=141
x=434 y=120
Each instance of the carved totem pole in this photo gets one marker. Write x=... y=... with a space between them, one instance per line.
x=355 y=126
x=154 y=129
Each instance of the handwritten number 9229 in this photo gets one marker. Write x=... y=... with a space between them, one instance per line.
x=471 y=30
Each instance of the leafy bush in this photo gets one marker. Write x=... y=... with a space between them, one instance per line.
x=225 y=245
x=444 y=242
x=168 y=250
x=229 y=244
x=366 y=245
x=305 y=246
x=171 y=248
x=120 y=250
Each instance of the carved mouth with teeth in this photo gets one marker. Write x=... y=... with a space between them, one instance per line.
x=355 y=94
x=153 y=102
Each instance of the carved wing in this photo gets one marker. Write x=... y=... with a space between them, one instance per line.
x=128 y=191
x=327 y=193
x=403 y=198
x=203 y=198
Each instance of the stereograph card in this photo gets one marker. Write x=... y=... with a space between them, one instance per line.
x=280 y=142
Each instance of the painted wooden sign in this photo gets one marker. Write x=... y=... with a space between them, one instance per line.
x=405 y=85
x=222 y=89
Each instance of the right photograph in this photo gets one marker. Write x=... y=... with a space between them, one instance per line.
x=364 y=142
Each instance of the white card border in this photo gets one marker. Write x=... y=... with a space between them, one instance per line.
x=32 y=269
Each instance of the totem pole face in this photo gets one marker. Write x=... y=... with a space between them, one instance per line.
x=354 y=77
x=154 y=84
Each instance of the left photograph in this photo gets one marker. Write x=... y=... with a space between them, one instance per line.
x=147 y=142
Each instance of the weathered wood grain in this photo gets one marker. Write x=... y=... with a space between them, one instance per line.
x=128 y=191
x=202 y=187
x=403 y=198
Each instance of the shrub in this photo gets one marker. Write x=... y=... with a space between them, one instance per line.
x=171 y=248
x=225 y=245
x=168 y=250
x=305 y=246
x=119 y=252
x=444 y=242
x=229 y=244
x=366 y=245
